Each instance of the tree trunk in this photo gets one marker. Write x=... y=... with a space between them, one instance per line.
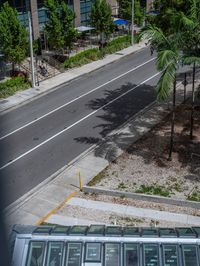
x=13 y=69
x=185 y=86
x=172 y=122
x=193 y=99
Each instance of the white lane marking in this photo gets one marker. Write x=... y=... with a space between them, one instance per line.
x=79 y=97
x=76 y=123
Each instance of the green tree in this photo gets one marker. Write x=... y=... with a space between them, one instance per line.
x=59 y=28
x=53 y=27
x=168 y=59
x=67 y=17
x=170 y=13
x=101 y=18
x=125 y=11
x=13 y=35
x=179 y=45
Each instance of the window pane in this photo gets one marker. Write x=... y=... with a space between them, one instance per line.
x=55 y=254
x=93 y=252
x=74 y=254
x=131 y=255
x=36 y=254
x=170 y=255
x=190 y=255
x=112 y=254
x=150 y=255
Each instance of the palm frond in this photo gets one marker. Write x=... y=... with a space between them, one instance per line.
x=167 y=62
x=154 y=35
x=188 y=60
x=165 y=58
x=193 y=10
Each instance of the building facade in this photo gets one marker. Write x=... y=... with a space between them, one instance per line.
x=82 y=9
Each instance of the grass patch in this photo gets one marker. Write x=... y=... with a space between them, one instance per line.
x=11 y=86
x=121 y=186
x=195 y=196
x=153 y=190
x=97 y=178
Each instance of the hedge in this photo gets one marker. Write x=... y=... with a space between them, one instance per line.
x=9 y=87
x=94 y=54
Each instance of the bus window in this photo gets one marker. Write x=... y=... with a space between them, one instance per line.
x=190 y=255
x=151 y=255
x=74 y=254
x=112 y=254
x=170 y=255
x=36 y=253
x=131 y=257
x=93 y=252
x=54 y=255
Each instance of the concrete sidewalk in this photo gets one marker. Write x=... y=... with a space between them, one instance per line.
x=23 y=97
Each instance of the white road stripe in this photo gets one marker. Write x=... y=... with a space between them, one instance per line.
x=76 y=123
x=81 y=96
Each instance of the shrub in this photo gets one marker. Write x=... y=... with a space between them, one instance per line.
x=82 y=58
x=153 y=190
x=94 y=54
x=10 y=86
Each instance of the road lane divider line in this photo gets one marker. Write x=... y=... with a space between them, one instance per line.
x=56 y=208
x=77 y=98
x=76 y=123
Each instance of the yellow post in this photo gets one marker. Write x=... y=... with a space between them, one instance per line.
x=80 y=181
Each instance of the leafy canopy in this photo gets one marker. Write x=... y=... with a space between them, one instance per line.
x=101 y=17
x=13 y=35
x=125 y=11
x=59 y=28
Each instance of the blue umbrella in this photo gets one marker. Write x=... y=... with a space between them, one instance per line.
x=120 y=22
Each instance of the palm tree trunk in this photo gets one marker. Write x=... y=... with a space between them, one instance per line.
x=172 y=122
x=193 y=99
x=185 y=86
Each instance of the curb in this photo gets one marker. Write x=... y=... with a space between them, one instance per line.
x=143 y=197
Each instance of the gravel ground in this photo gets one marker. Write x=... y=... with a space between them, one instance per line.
x=145 y=167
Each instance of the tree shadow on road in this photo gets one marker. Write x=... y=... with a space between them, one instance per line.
x=114 y=115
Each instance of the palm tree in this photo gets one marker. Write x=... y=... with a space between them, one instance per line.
x=167 y=62
x=191 y=46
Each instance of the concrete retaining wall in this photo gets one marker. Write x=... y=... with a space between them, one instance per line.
x=137 y=196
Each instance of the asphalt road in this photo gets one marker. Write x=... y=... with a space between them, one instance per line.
x=42 y=136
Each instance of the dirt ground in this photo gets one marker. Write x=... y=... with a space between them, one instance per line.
x=145 y=168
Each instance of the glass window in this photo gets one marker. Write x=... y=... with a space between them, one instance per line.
x=167 y=232
x=190 y=255
x=149 y=232
x=197 y=230
x=170 y=255
x=60 y=230
x=78 y=230
x=151 y=255
x=93 y=252
x=131 y=231
x=113 y=230
x=36 y=253
x=96 y=230
x=54 y=255
x=185 y=232
x=131 y=257
x=112 y=254
x=42 y=230
x=74 y=254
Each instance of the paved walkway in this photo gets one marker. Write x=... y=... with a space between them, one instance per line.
x=41 y=204
x=47 y=85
